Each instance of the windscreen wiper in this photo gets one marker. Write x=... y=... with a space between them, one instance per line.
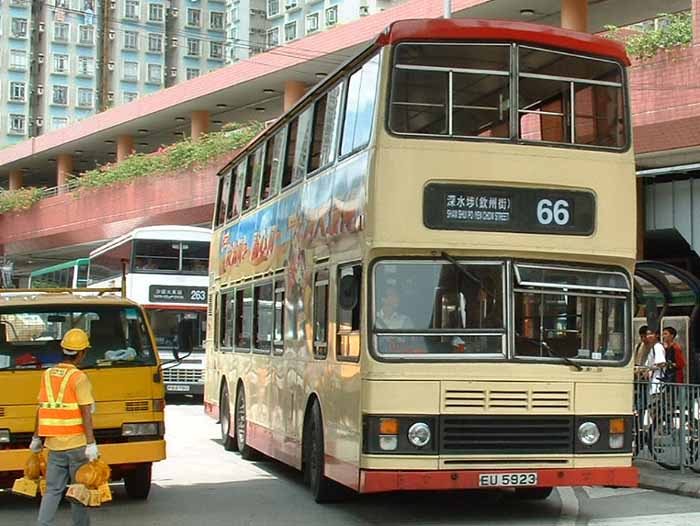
x=566 y=359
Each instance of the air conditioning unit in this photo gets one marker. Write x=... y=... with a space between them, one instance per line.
x=112 y=35
x=42 y=27
x=258 y=31
x=364 y=10
x=291 y=4
x=39 y=122
x=258 y=12
x=110 y=96
x=173 y=42
x=40 y=58
x=39 y=89
x=110 y=66
x=173 y=72
x=113 y=4
x=174 y=11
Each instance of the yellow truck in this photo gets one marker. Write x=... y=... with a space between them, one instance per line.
x=122 y=364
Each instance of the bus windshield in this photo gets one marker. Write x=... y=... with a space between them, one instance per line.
x=459 y=310
x=181 y=329
x=30 y=338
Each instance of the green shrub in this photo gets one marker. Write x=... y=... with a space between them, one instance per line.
x=21 y=199
x=676 y=31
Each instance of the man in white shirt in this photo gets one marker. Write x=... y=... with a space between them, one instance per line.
x=388 y=315
x=656 y=361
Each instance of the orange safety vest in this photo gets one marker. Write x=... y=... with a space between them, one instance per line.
x=59 y=415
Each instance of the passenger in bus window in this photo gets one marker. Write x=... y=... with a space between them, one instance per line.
x=388 y=315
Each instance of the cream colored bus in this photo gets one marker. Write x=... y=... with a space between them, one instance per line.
x=417 y=282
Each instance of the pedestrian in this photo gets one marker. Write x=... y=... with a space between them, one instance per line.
x=675 y=361
x=656 y=361
x=64 y=419
x=641 y=351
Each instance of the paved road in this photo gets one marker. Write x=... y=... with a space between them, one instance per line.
x=202 y=485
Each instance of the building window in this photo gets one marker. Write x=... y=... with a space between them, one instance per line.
x=86 y=98
x=273 y=37
x=130 y=70
x=87 y=35
x=60 y=95
x=59 y=122
x=18 y=91
x=216 y=50
x=60 y=63
x=131 y=9
x=216 y=21
x=155 y=73
x=273 y=7
x=235 y=14
x=312 y=23
x=155 y=43
x=193 y=47
x=128 y=96
x=86 y=66
x=18 y=59
x=155 y=12
x=17 y=123
x=290 y=31
x=332 y=15
x=19 y=27
x=194 y=17
x=192 y=73
x=61 y=31
x=131 y=40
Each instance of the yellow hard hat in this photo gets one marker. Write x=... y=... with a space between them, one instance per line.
x=75 y=340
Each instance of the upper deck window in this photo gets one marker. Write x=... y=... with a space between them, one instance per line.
x=464 y=91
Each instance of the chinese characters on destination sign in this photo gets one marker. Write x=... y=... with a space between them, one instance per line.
x=508 y=209
x=176 y=294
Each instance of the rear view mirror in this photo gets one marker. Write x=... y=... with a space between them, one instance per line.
x=348 y=292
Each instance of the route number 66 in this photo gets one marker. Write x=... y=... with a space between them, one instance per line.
x=557 y=212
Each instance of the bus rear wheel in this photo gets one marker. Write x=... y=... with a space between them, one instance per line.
x=227 y=440
x=533 y=493
x=247 y=452
x=322 y=488
x=137 y=482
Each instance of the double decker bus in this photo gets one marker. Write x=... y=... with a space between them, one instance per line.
x=421 y=274
x=68 y=275
x=166 y=272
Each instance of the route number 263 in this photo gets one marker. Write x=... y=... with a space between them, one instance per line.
x=557 y=212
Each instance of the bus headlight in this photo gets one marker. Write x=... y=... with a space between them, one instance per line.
x=4 y=436
x=140 y=429
x=588 y=433
x=419 y=434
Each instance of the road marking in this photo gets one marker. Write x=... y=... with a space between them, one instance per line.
x=569 y=507
x=675 y=519
x=595 y=492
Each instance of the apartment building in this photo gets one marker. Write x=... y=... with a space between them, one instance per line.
x=293 y=19
x=64 y=60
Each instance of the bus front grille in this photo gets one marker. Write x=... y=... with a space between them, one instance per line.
x=182 y=375
x=506 y=434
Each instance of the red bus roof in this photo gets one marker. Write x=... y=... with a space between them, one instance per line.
x=504 y=31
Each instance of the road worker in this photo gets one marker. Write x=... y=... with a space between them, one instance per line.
x=64 y=419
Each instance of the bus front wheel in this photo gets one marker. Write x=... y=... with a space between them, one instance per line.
x=247 y=452
x=137 y=482
x=533 y=493
x=322 y=488
x=230 y=443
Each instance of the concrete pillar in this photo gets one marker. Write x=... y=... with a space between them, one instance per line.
x=200 y=123
x=15 y=179
x=64 y=168
x=574 y=15
x=695 y=9
x=293 y=91
x=125 y=147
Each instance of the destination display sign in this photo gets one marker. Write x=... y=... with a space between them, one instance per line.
x=508 y=209
x=177 y=294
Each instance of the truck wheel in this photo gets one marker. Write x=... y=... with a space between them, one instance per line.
x=323 y=489
x=227 y=440
x=137 y=482
x=247 y=452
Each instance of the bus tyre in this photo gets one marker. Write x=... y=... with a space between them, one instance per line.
x=227 y=440
x=137 y=482
x=322 y=488
x=533 y=493
x=247 y=452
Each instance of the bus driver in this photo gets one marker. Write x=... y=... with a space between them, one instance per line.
x=388 y=316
